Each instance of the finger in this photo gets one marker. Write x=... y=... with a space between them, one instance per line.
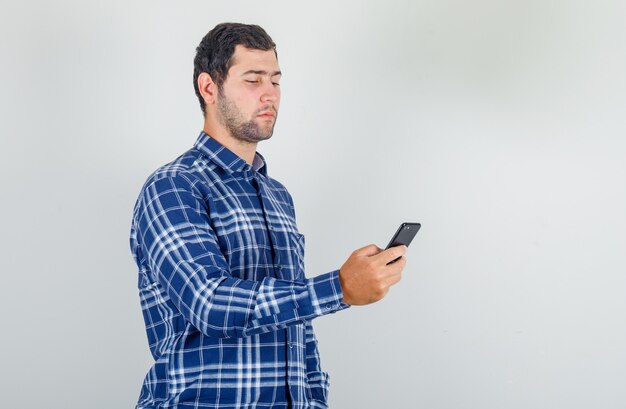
x=394 y=271
x=392 y=253
x=369 y=250
x=396 y=266
x=394 y=279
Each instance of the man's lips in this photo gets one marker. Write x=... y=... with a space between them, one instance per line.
x=267 y=114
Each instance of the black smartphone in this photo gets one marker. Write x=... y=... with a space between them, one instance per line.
x=403 y=236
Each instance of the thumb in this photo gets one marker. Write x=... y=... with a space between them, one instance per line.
x=369 y=250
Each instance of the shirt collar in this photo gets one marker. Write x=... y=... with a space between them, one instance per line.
x=227 y=159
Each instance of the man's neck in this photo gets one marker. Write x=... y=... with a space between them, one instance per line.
x=245 y=150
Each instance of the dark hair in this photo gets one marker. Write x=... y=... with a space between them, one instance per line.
x=215 y=52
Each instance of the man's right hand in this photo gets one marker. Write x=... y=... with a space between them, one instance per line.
x=365 y=277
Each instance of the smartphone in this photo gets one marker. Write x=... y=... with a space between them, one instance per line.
x=403 y=236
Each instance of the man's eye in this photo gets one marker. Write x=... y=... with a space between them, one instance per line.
x=275 y=83
x=252 y=81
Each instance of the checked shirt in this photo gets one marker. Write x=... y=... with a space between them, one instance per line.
x=224 y=296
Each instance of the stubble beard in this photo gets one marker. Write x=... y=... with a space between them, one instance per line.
x=244 y=130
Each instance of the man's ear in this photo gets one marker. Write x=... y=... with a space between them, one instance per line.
x=207 y=88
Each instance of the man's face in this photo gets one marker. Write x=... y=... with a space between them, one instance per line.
x=248 y=102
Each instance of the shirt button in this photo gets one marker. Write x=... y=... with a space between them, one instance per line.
x=329 y=306
x=290 y=345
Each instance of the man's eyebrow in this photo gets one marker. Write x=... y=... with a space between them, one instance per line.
x=262 y=72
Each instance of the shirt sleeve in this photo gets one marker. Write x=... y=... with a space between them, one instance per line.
x=182 y=251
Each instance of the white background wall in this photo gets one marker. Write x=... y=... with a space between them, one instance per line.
x=499 y=125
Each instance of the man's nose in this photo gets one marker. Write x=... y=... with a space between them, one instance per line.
x=271 y=92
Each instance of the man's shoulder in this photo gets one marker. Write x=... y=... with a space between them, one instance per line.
x=186 y=167
x=276 y=184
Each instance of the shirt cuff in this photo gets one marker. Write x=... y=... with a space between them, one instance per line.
x=325 y=293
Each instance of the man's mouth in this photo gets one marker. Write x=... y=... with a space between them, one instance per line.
x=267 y=112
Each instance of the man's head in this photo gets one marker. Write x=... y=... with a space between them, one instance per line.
x=236 y=77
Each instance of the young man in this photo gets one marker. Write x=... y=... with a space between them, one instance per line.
x=225 y=299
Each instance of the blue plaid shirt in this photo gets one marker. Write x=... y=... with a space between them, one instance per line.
x=224 y=296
